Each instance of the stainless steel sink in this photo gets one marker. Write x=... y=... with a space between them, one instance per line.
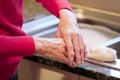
x=114 y=43
x=116 y=46
x=50 y=33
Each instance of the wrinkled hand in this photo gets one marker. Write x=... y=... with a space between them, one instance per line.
x=69 y=31
x=53 y=48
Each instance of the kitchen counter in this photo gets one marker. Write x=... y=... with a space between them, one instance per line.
x=86 y=69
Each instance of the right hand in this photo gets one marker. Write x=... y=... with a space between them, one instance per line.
x=53 y=48
x=69 y=31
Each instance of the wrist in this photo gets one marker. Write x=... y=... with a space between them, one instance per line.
x=67 y=18
x=66 y=12
x=38 y=44
x=47 y=45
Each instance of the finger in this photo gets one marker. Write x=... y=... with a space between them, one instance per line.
x=58 y=35
x=57 y=56
x=85 y=49
x=63 y=59
x=69 y=47
x=76 y=48
x=81 y=45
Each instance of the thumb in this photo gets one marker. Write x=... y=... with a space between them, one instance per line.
x=58 y=35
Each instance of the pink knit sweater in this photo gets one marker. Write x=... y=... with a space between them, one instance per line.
x=14 y=44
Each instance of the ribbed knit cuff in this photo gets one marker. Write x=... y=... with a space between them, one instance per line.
x=17 y=46
x=22 y=46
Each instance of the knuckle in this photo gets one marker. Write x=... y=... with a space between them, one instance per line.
x=72 y=55
x=77 y=50
x=69 y=47
x=74 y=33
x=77 y=34
x=81 y=39
x=80 y=36
x=86 y=51
x=77 y=57
x=82 y=49
x=66 y=32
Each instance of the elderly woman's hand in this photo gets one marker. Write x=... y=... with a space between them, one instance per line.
x=69 y=31
x=53 y=48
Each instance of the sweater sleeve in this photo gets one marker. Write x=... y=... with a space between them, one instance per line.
x=16 y=46
x=54 y=6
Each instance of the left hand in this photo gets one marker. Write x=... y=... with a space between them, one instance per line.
x=69 y=31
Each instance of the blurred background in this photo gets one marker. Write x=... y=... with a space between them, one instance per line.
x=33 y=9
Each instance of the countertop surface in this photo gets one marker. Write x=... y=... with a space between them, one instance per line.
x=86 y=69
